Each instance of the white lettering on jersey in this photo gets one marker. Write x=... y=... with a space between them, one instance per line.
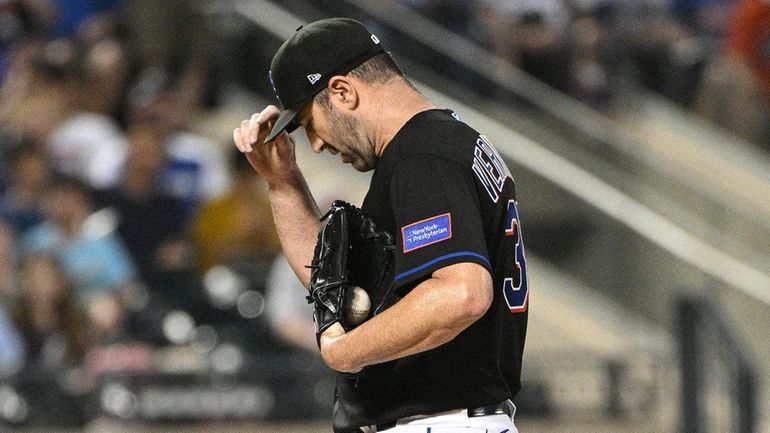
x=489 y=168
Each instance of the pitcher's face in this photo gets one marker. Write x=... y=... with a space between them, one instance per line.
x=338 y=133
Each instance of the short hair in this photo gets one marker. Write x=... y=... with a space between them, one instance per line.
x=379 y=69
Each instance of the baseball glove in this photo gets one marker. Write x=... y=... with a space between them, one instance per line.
x=346 y=239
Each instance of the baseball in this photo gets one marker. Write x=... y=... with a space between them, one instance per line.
x=357 y=305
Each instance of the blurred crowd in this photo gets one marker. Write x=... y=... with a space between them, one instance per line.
x=119 y=225
x=710 y=56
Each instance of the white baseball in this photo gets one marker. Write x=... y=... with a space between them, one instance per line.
x=357 y=305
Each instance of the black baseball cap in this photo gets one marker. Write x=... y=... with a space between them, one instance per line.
x=301 y=68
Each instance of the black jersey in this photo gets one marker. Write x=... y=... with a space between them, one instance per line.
x=447 y=197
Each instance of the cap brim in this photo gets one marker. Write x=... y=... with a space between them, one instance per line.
x=285 y=122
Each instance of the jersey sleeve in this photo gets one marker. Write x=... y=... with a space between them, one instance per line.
x=437 y=216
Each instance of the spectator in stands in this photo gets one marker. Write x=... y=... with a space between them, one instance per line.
x=748 y=39
x=150 y=222
x=17 y=27
x=175 y=83
x=734 y=91
x=48 y=316
x=92 y=256
x=65 y=105
x=196 y=169
x=591 y=59
x=237 y=225
x=173 y=37
x=106 y=72
x=153 y=225
x=663 y=54
x=11 y=343
x=90 y=144
x=20 y=204
x=532 y=35
x=36 y=95
x=706 y=17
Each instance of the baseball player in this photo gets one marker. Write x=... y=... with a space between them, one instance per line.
x=444 y=354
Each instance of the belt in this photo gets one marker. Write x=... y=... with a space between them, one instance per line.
x=502 y=408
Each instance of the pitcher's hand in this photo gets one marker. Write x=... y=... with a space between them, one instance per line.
x=335 y=358
x=273 y=161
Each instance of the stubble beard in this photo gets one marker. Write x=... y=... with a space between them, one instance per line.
x=351 y=141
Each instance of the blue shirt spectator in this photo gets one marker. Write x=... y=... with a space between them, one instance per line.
x=72 y=13
x=96 y=262
x=11 y=345
x=92 y=256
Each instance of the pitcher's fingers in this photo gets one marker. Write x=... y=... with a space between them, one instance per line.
x=237 y=139
x=245 y=136
x=267 y=114
x=253 y=128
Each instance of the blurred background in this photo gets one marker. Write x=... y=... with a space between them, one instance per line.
x=142 y=287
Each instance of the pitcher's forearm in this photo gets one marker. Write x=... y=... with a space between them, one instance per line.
x=296 y=217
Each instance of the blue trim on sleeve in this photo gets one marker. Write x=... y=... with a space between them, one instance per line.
x=441 y=259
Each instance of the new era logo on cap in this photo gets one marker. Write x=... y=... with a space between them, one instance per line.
x=313 y=78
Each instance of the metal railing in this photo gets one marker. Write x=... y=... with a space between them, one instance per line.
x=718 y=380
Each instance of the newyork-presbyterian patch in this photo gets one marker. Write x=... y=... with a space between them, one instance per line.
x=427 y=232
